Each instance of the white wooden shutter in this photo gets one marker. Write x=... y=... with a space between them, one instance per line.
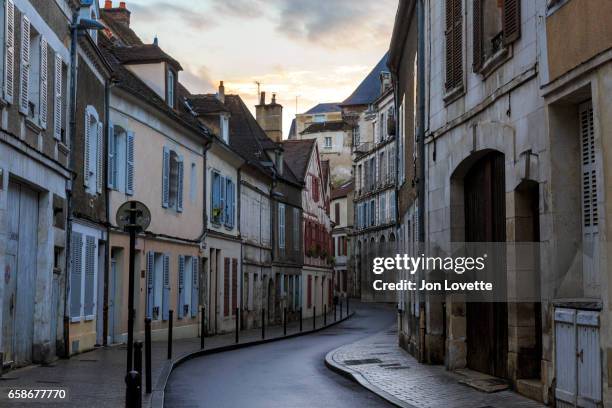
x=76 y=254
x=195 y=270
x=588 y=354
x=25 y=65
x=58 y=100
x=166 y=177
x=99 y=157
x=90 y=276
x=86 y=149
x=166 y=289
x=112 y=165
x=150 y=282
x=181 y=286
x=129 y=169
x=180 y=184
x=44 y=83
x=9 y=55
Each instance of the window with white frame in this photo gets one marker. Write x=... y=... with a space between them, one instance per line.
x=34 y=74
x=281 y=226
x=170 y=88
x=223 y=200
x=172 y=179
x=224 y=126
x=8 y=85
x=92 y=151
x=328 y=142
x=121 y=158
x=319 y=118
x=83 y=276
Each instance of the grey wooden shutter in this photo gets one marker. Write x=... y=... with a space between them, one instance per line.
x=44 y=83
x=454 y=44
x=9 y=56
x=477 y=35
x=76 y=254
x=86 y=149
x=58 y=100
x=112 y=165
x=25 y=66
x=511 y=21
x=166 y=177
x=222 y=203
x=181 y=286
x=129 y=168
x=150 y=282
x=195 y=279
x=166 y=289
x=180 y=183
x=589 y=170
x=90 y=275
x=99 y=157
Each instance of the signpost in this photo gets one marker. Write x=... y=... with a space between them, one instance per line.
x=133 y=217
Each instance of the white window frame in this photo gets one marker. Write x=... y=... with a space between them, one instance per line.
x=83 y=283
x=91 y=165
x=326 y=144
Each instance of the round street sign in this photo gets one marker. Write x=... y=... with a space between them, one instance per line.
x=143 y=215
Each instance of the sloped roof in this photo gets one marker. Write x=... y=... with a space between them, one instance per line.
x=333 y=126
x=292 y=130
x=297 y=155
x=325 y=108
x=369 y=89
x=146 y=53
x=207 y=103
x=342 y=190
x=124 y=34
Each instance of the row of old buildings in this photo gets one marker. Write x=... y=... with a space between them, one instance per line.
x=92 y=117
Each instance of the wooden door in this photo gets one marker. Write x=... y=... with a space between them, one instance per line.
x=485 y=219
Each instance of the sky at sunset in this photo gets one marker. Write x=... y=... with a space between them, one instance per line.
x=317 y=50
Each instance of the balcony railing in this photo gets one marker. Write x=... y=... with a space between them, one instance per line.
x=362 y=148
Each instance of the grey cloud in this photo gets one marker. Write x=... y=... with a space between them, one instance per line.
x=240 y=8
x=159 y=11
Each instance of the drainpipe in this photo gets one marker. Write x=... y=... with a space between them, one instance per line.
x=107 y=250
x=72 y=130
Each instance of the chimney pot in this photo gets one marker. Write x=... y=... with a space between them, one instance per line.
x=122 y=5
x=221 y=92
x=273 y=98
x=108 y=4
x=262 y=98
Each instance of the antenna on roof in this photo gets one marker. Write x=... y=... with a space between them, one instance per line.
x=258 y=88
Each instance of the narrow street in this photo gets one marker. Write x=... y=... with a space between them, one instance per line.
x=288 y=373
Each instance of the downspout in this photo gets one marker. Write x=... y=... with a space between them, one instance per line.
x=421 y=152
x=240 y=276
x=72 y=130
x=107 y=89
x=202 y=237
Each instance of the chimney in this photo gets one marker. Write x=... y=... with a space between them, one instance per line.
x=270 y=117
x=119 y=14
x=221 y=92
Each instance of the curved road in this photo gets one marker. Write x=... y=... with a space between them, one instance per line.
x=286 y=373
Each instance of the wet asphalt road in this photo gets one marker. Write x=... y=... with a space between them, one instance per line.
x=288 y=373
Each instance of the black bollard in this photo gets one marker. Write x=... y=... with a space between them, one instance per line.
x=285 y=322
x=324 y=315
x=148 y=354
x=138 y=361
x=237 y=324
x=301 y=319
x=314 y=317
x=340 y=309
x=263 y=324
x=202 y=329
x=133 y=392
x=170 y=319
x=335 y=312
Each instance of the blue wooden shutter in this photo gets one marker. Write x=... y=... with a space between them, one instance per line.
x=150 y=283
x=181 y=286
x=166 y=177
x=76 y=249
x=90 y=275
x=222 y=202
x=87 y=149
x=99 y=156
x=180 y=184
x=129 y=169
x=166 y=290
x=195 y=270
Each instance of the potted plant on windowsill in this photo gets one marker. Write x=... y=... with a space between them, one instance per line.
x=216 y=214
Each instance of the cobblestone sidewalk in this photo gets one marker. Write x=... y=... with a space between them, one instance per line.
x=95 y=379
x=380 y=365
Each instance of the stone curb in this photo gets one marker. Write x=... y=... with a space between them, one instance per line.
x=158 y=392
x=357 y=377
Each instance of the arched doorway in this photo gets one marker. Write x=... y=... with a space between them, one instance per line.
x=485 y=222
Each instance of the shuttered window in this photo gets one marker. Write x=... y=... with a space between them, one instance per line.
x=166 y=177
x=180 y=184
x=129 y=166
x=76 y=255
x=181 y=286
x=58 y=99
x=44 y=83
x=112 y=157
x=92 y=151
x=228 y=196
x=234 y=285
x=226 y=286
x=150 y=283
x=454 y=44
x=99 y=156
x=9 y=52
x=511 y=20
x=281 y=226
x=590 y=214
x=90 y=277
x=195 y=286
x=166 y=287
x=24 y=88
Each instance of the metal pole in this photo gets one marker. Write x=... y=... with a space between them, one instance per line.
x=314 y=317
x=347 y=305
x=138 y=367
x=335 y=310
x=301 y=319
x=171 y=318
x=148 y=354
x=285 y=321
x=133 y=392
x=263 y=323
x=202 y=329
x=131 y=312
x=324 y=315
x=237 y=324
